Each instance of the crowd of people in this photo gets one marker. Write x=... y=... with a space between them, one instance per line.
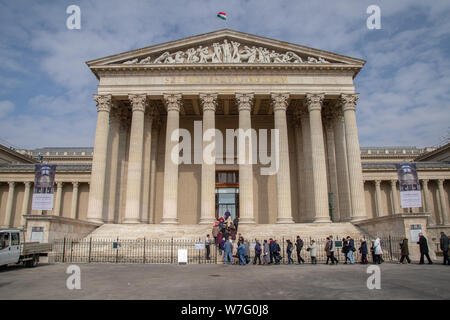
x=269 y=251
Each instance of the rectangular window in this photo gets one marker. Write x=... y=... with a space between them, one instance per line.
x=15 y=239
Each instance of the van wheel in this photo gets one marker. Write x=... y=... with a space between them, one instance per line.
x=33 y=262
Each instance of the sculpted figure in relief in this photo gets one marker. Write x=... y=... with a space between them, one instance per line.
x=162 y=57
x=236 y=57
x=226 y=49
x=217 y=53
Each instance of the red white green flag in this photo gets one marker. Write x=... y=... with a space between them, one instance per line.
x=222 y=15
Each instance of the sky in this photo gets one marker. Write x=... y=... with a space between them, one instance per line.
x=46 y=89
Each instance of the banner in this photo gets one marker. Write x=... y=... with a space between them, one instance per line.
x=410 y=195
x=44 y=181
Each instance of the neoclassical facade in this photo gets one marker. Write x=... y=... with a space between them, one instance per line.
x=226 y=80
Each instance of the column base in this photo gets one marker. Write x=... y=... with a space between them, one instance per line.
x=246 y=221
x=131 y=221
x=169 y=221
x=207 y=221
x=285 y=220
x=359 y=218
x=322 y=220
x=95 y=220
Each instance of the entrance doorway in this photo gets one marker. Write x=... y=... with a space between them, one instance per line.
x=227 y=193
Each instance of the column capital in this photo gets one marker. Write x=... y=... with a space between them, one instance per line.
x=11 y=184
x=208 y=101
x=393 y=181
x=280 y=101
x=441 y=182
x=28 y=184
x=425 y=181
x=348 y=101
x=75 y=184
x=173 y=102
x=314 y=101
x=244 y=101
x=104 y=102
x=377 y=183
x=138 y=102
x=59 y=184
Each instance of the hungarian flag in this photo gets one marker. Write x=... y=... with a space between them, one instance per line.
x=222 y=15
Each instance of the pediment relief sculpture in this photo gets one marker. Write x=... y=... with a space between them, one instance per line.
x=227 y=52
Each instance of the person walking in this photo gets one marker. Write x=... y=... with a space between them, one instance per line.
x=271 y=249
x=247 y=252
x=236 y=223
x=276 y=252
x=257 y=252
x=351 y=249
x=228 y=247
x=377 y=251
x=444 y=244
x=344 y=249
x=423 y=247
x=332 y=250
x=215 y=231
x=266 y=253
x=241 y=254
x=289 y=250
x=363 y=251
x=299 y=246
x=404 y=250
x=207 y=246
x=313 y=251
x=327 y=250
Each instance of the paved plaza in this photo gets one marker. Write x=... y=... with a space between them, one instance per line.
x=151 y=281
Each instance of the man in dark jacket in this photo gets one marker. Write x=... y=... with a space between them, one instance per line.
x=299 y=246
x=276 y=252
x=404 y=250
x=423 y=246
x=257 y=252
x=271 y=249
x=444 y=247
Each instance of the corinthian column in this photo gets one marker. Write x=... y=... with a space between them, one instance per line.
x=332 y=166
x=134 y=176
x=153 y=158
x=97 y=185
x=26 y=202
x=170 y=197
x=378 y=198
x=112 y=168
x=348 y=103
x=280 y=104
x=146 y=163
x=444 y=212
x=244 y=102
x=74 y=207
x=300 y=165
x=307 y=167
x=341 y=166
x=57 y=209
x=314 y=105
x=209 y=104
x=9 y=204
x=427 y=203
x=395 y=207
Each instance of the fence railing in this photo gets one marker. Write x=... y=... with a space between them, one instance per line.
x=166 y=251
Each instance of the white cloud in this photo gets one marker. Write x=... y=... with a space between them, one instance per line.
x=6 y=107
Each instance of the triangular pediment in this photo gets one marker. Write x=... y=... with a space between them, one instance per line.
x=225 y=47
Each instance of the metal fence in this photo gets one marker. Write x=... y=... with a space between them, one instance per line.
x=166 y=251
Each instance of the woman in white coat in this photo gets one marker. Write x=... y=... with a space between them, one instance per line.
x=377 y=250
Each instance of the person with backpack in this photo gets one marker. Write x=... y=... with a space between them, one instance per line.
x=351 y=249
x=363 y=251
x=299 y=246
x=257 y=252
x=289 y=249
x=313 y=251
x=423 y=247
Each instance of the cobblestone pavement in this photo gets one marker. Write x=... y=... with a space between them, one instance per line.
x=135 y=281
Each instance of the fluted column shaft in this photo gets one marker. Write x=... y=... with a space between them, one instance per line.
x=280 y=104
x=57 y=209
x=395 y=208
x=244 y=102
x=444 y=212
x=348 y=103
x=427 y=203
x=98 y=174
x=26 y=202
x=342 y=167
x=146 y=167
x=334 y=189
x=153 y=159
x=300 y=167
x=307 y=168
x=170 y=197
x=379 y=210
x=113 y=159
x=74 y=207
x=134 y=176
x=314 y=105
x=9 y=204
x=207 y=216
